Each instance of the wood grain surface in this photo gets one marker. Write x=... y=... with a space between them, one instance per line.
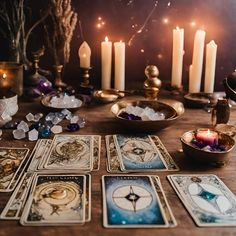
x=101 y=121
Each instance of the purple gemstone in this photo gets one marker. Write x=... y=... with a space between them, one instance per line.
x=44 y=86
x=73 y=127
x=128 y=116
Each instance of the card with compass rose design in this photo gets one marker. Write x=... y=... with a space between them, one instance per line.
x=207 y=199
x=131 y=201
x=56 y=200
x=137 y=153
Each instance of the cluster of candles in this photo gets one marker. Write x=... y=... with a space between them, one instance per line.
x=195 y=69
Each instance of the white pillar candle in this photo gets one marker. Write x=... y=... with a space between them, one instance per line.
x=196 y=71
x=106 y=48
x=84 y=55
x=119 y=65
x=177 y=57
x=211 y=50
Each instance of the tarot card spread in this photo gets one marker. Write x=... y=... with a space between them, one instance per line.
x=132 y=201
x=137 y=153
x=12 y=162
x=207 y=199
x=56 y=199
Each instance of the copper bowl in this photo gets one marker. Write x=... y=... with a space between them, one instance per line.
x=215 y=158
x=146 y=126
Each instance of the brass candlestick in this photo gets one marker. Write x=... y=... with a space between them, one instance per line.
x=152 y=84
x=85 y=87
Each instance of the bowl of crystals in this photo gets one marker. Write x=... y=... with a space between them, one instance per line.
x=144 y=116
x=207 y=146
x=58 y=101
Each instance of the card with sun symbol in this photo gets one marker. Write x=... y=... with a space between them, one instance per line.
x=207 y=199
x=131 y=201
x=56 y=200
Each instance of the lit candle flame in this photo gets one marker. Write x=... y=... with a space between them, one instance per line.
x=4 y=76
x=177 y=27
x=106 y=39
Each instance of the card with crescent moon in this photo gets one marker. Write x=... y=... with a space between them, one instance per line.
x=131 y=201
x=12 y=164
x=142 y=153
x=207 y=199
x=56 y=200
x=71 y=152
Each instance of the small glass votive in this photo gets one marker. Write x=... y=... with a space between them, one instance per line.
x=11 y=75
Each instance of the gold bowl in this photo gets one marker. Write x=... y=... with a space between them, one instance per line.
x=107 y=95
x=215 y=158
x=146 y=126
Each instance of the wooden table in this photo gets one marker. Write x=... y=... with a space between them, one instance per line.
x=101 y=121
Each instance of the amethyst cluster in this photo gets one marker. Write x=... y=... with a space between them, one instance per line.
x=128 y=116
x=216 y=147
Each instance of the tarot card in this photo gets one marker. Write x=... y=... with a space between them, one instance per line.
x=16 y=203
x=56 y=199
x=171 y=165
x=131 y=201
x=88 y=199
x=96 y=152
x=138 y=153
x=71 y=152
x=41 y=148
x=113 y=162
x=169 y=215
x=207 y=199
x=11 y=160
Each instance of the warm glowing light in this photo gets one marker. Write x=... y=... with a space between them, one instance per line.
x=159 y=56
x=99 y=18
x=103 y=23
x=99 y=25
x=193 y=23
x=106 y=39
x=165 y=20
x=4 y=76
x=142 y=50
x=177 y=27
x=84 y=55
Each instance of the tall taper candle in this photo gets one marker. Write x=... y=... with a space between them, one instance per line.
x=211 y=50
x=106 y=48
x=177 y=57
x=119 y=65
x=196 y=71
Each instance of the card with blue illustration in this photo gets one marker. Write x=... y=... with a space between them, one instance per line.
x=142 y=153
x=131 y=201
x=207 y=199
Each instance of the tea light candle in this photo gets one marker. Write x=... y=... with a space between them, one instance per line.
x=84 y=55
x=208 y=137
x=119 y=65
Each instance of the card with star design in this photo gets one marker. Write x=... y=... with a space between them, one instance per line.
x=207 y=199
x=56 y=200
x=131 y=201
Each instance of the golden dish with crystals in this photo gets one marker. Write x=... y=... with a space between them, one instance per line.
x=171 y=115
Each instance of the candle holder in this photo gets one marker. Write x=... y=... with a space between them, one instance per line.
x=85 y=87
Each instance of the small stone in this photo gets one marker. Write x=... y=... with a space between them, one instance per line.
x=60 y=115
x=23 y=125
x=56 y=129
x=18 y=133
x=29 y=117
x=81 y=122
x=50 y=116
x=65 y=112
x=11 y=125
x=44 y=132
x=73 y=127
x=38 y=116
x=74 y=119
x=5 y=116
x=69 y=116
x=35 y=125
x=56 y=120
x=33 y=135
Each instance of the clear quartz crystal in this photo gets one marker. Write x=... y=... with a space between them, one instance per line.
x=18 y=133
x=81 y=122
x=74 y=119
x=33 y=135
x=65 y=101
x=56 y=129
x=29 y=117
x=56 y=120
x=38 y=116
x=23 y=125
x=65 y=112
x=146 y=114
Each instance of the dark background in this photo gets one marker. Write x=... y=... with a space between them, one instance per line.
x=122 y=18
